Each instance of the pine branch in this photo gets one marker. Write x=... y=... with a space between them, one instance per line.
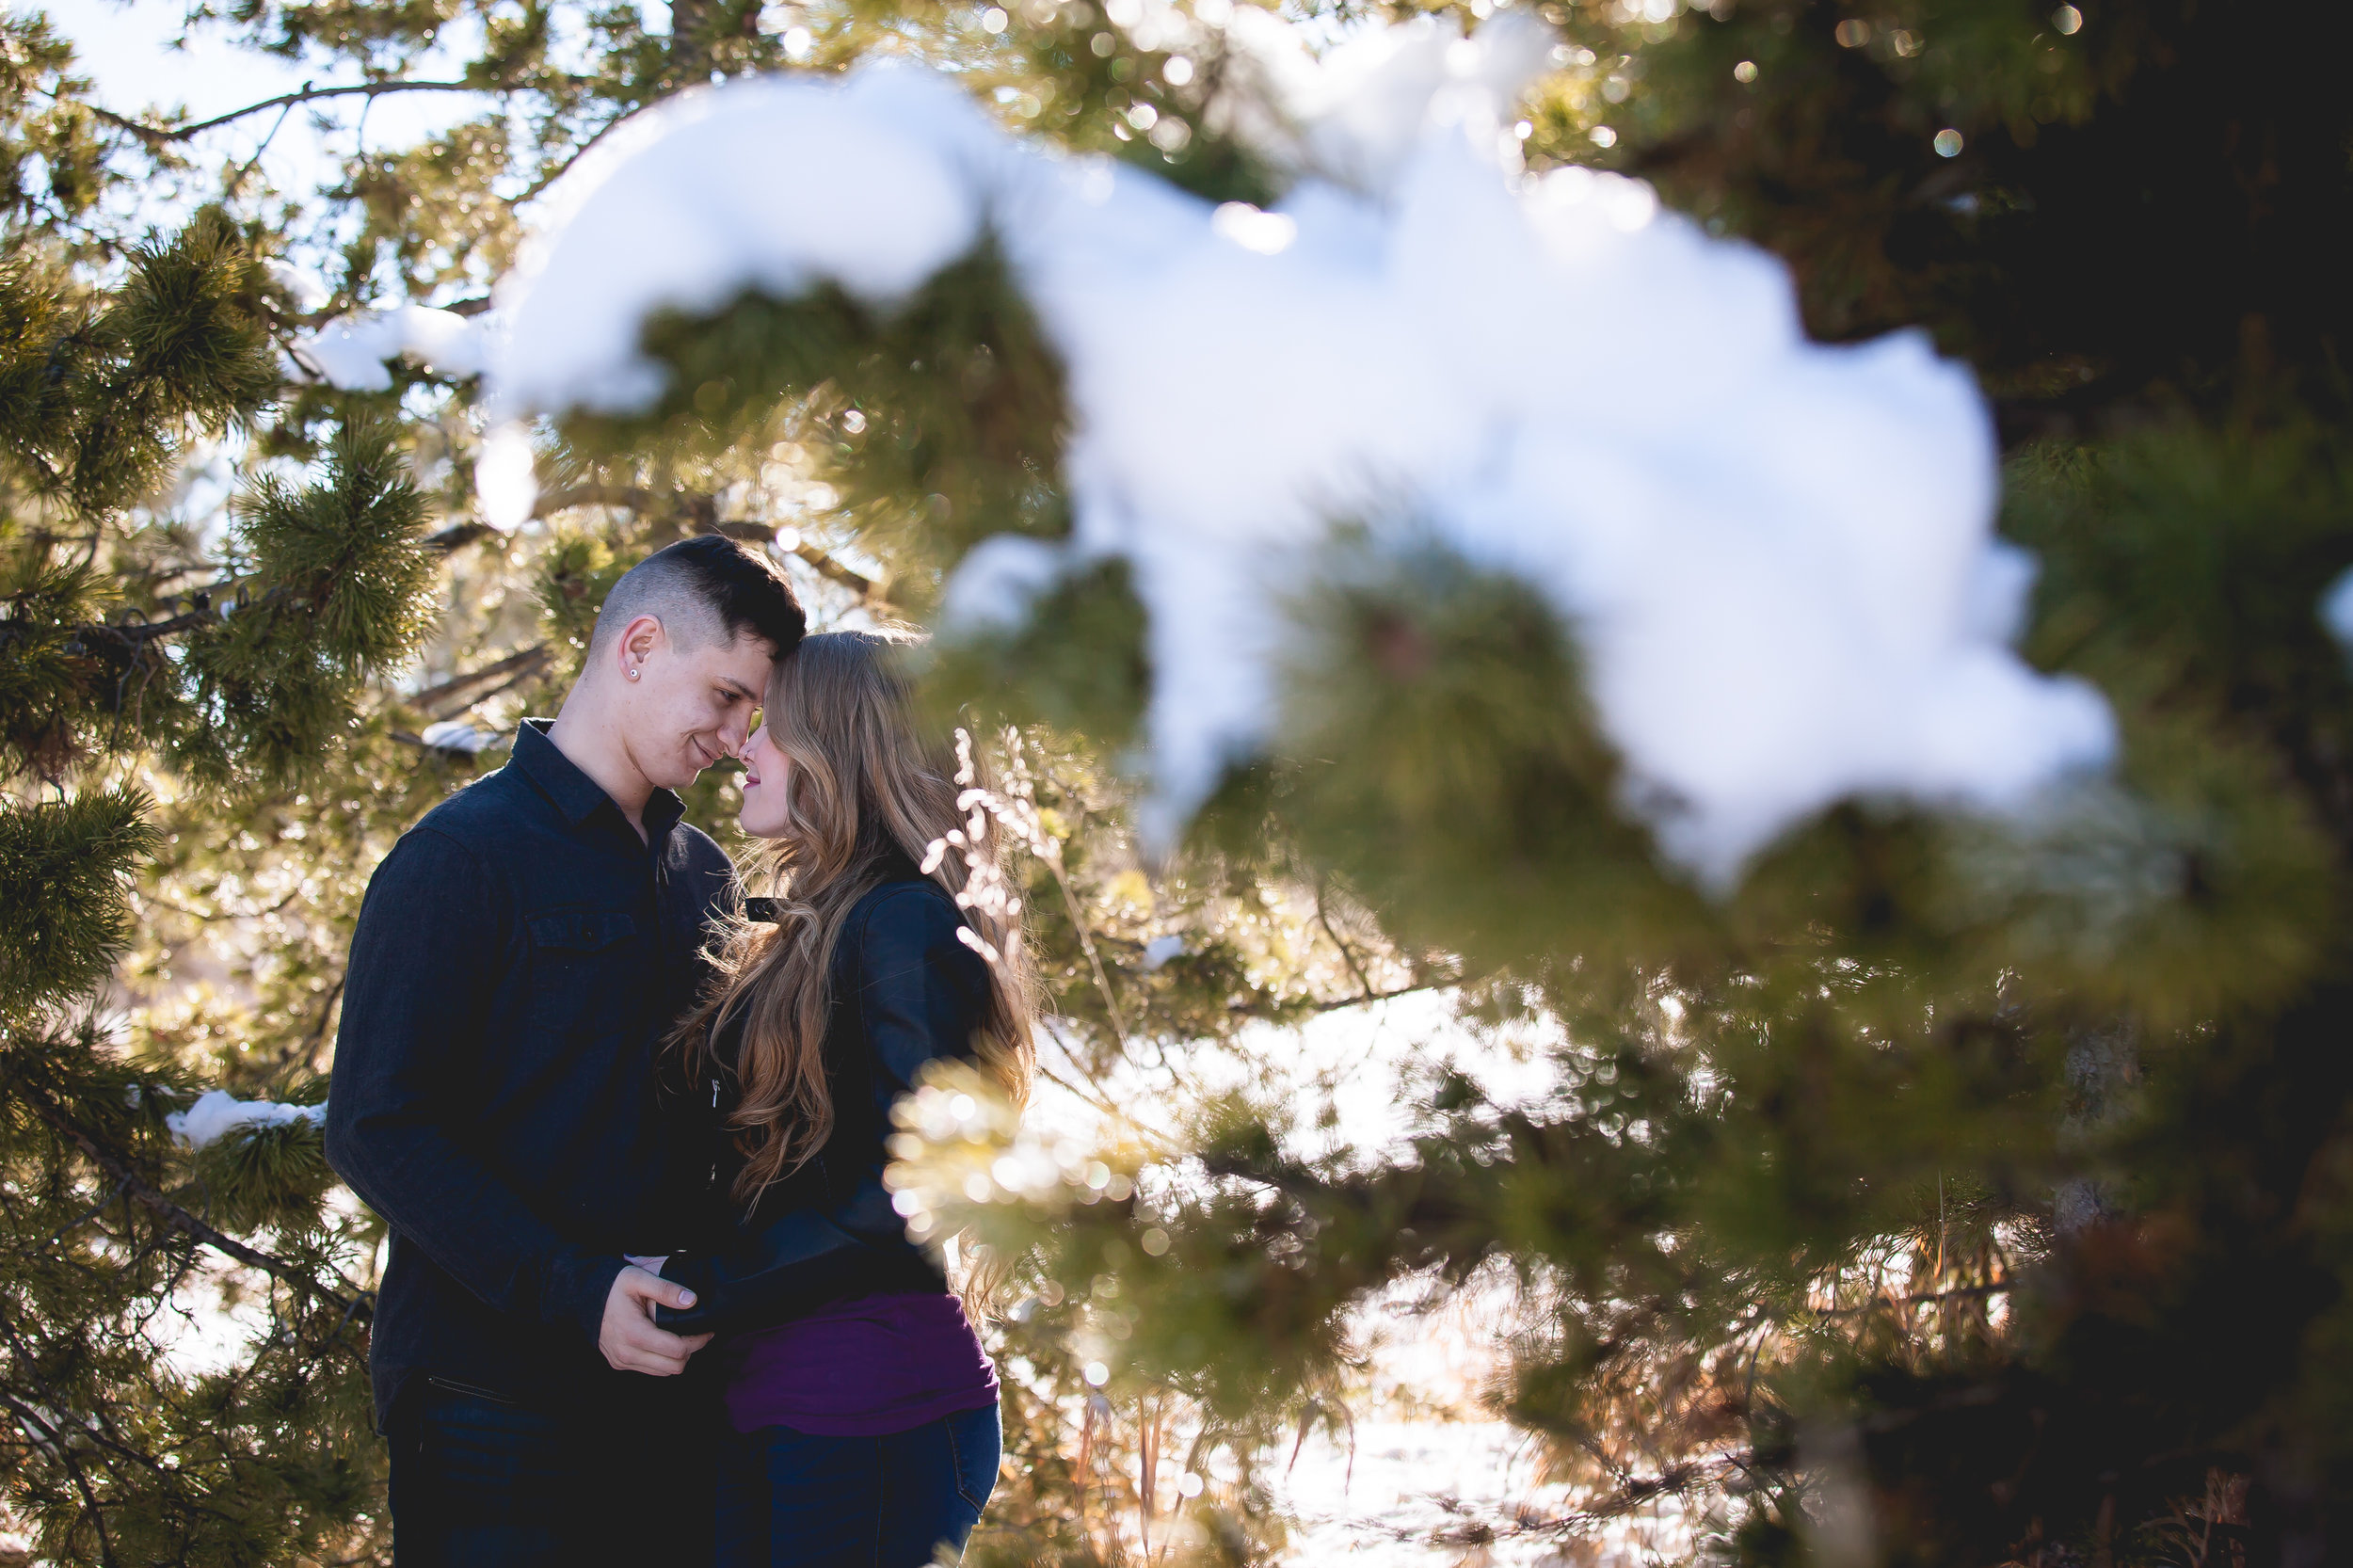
x=1086 y=943
x=132 y=636
x=505 y=673
x=456 y=536
x=97 y=1424
x=644 y=502
x=562 y=167
x=327 y=1017
x=155 y=135
x=630 y=497
x=409 y=738
x=1927 y=1297
x=827 y=566
x=139 y=634
x=45 y=1434
x=1364 y=986
x=186 y=913
x=1632 y=1492
x=831 y=568
x=357 y=1304
x=1340 y=1004
x=1095 y=1098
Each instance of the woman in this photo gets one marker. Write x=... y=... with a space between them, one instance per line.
x=864 y=1412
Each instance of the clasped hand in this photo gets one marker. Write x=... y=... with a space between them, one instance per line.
x=628 y=1339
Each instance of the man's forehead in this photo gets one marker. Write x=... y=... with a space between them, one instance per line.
x=744 y=662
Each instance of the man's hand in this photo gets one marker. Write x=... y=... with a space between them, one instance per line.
x=628 y=1339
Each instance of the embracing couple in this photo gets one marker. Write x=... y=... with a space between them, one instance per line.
x=647 y=1300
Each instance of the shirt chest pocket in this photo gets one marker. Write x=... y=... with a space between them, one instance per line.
x=589 y=973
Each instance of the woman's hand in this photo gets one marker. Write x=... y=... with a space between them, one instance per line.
x=651 y=1265
x=628 y=1339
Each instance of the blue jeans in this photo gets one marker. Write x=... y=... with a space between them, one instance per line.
x=792 y=1499
x=482 y=1481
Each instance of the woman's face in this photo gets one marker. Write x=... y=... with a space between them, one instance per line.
x=766 y=774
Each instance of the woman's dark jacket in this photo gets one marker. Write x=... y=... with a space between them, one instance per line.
x=904 y=990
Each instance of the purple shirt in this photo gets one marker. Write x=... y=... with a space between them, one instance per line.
x=860 y=1367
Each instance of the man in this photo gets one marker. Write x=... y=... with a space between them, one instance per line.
x=520 y=957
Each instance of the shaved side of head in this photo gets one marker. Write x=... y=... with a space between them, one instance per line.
x=655 y=588
x=704 y=590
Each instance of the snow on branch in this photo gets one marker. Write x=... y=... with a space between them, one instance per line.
x=353 y=1302
x=1777 y=556
x=219 y=1113
x=350 y=351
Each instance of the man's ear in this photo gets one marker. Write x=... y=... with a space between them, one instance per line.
x=638 y=642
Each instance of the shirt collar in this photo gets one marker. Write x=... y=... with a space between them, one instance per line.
x=661 y=812
x=574 y=793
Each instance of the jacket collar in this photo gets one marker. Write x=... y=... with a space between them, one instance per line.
x=575 y=794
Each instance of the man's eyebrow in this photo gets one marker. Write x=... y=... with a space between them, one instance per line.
x=739 y=688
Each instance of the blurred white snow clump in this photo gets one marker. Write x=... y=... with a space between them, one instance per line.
x=1777 y=557
x=350 y=351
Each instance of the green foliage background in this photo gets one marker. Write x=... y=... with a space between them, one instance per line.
x=1950 y=1191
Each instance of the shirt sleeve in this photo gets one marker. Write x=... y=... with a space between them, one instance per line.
x=422 y=967
x=920 y=993
x=920 y=990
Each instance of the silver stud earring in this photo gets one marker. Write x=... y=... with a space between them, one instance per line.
x=633 y=675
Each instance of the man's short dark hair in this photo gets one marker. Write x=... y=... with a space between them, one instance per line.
x=706 y=589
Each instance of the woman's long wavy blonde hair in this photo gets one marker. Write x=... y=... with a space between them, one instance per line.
x=866 y=780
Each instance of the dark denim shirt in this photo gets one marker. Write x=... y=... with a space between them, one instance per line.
x=905 y=990
x=520 y=957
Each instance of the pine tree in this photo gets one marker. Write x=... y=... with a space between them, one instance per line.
x=112 y=369
x=1947 y=1190
x=214 y=733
